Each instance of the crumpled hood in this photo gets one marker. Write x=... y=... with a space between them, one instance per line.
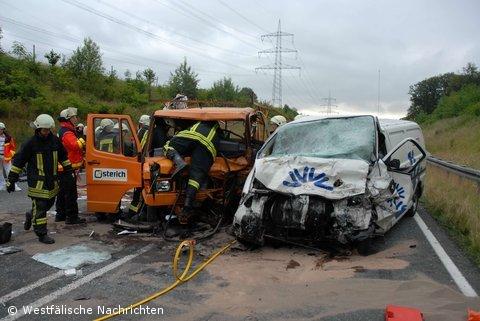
x=313 y=176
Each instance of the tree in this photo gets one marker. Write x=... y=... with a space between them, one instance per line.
x=128 y=75
x=86 y=61
x=248 y=94
x=224 y=90
x=52 y=57
x=19 y=51
x=149 y=78
x=183 y=81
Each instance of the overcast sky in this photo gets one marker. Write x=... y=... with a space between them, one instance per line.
x=341 y=45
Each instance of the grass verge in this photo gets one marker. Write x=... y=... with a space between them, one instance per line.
x=454 y=201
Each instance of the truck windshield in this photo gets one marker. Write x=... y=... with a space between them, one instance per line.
x=350 y=138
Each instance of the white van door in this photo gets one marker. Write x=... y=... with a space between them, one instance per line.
x=404 y=166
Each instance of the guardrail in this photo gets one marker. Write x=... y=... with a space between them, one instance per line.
x=464 y=171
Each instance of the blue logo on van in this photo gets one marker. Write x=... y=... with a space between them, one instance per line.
x=411 y=157
x=308 y=175
x=400 y=207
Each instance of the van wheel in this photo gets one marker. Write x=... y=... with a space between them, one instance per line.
x=364 y=247
x=411 y=212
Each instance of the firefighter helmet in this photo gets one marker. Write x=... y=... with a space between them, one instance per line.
x=278 y=120
x=106 y=124
x=43 y=121
x=2 y=126
x=144 y=120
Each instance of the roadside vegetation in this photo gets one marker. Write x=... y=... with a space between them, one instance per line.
x=32 y=85
x=447 y=107
x=455 y=203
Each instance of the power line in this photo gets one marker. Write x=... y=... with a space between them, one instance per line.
x=278 y=65
x=171 y=31
x=142 y=31
x=242 y=16
x=187 y=12
x=77 y=40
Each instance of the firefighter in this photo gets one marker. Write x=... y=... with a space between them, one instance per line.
x=106 y=139
x=79 y=128
x=7 y=150
x=66 y=205
x=200 y=142
x=41 y=154
x=143 y=126
x=277 y=121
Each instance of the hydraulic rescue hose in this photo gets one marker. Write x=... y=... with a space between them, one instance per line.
x=184 y=277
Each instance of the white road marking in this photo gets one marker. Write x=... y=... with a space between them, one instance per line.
x=4 y=299
x=74 y=285
x=452 y=269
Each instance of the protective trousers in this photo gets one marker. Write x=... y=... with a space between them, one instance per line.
x=66 y=205
x=40 y=206
x=137 y=202
x=201 y=159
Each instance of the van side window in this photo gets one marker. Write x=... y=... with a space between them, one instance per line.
x=382 y=147
x=107 y=135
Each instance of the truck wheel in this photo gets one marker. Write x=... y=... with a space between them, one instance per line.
x=411 y=212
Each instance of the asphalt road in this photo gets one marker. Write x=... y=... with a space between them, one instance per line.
x=266 y=284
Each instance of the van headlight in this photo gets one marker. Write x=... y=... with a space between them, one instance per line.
x=163 y=186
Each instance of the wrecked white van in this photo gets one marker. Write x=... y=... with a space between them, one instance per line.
x=341 y=178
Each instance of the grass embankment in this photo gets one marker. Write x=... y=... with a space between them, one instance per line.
x=454 y=201
x=455 y=139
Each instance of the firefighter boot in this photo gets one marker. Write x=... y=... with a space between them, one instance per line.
x=75 y=220
x=46 y=239
x=180 y=164
x=188 y=210
x=28 y=220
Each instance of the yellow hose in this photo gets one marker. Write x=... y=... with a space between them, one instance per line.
x=184 y=277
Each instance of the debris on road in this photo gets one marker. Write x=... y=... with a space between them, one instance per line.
x=73 y=272
x=72 y=257
x=398 y=313
x=9 y=250
x=292 y=264
x=126 y=232
x=5 y=232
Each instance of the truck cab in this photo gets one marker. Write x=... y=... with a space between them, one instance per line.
x=115 y=162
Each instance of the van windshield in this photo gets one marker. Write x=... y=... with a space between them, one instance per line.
x=348 y=138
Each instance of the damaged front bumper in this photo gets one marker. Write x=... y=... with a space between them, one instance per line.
x=303 y=217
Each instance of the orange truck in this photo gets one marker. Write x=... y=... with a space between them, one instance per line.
x=111 y=172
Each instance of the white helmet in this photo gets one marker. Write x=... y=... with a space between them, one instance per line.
x=106 y=124
x=43 y=121
x=2 y=126
x=63 y=115
x=84 y=130
x=97 y=129
x=71 y=111
x=80 y=125
x=144 y=120
x=278 y=120
x=298 y=117
x=179 y=102
x=124 y=128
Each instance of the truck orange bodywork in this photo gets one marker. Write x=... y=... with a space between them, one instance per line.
x=105 y=196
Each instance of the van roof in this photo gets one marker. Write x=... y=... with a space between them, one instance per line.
x=384 y=123
x=206 y=114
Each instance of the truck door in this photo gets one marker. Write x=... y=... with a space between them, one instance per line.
x=113 y=161
x=404 y=164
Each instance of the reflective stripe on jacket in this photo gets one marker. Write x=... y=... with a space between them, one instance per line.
x=41 y=156
x=205 y=133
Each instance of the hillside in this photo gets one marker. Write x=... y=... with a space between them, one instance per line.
x=455 y=139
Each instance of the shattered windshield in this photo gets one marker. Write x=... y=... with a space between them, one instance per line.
x=350 y=138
